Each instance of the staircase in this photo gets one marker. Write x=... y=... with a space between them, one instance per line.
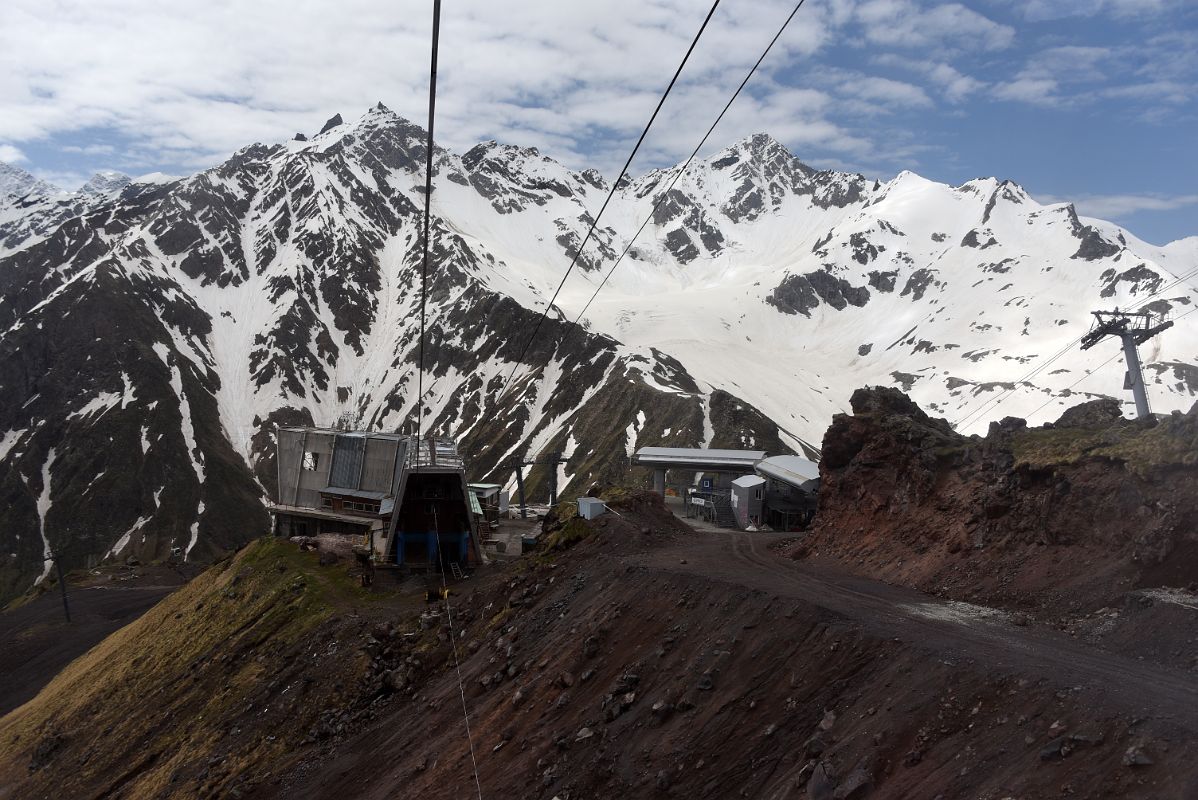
x=725 y=517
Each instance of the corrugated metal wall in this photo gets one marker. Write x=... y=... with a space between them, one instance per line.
x=311 y=461
x=349 y=451
x=379 y=465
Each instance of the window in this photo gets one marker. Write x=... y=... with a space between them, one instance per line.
x=327 y=502
x=311 y=460
x=757 y=494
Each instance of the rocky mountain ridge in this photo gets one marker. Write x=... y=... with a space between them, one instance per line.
x=151 y=338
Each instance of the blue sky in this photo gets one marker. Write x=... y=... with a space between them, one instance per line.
x=1090 y=102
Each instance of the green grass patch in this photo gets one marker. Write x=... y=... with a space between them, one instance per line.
x=1168 y=444
x=169 y=683
x=568 y=535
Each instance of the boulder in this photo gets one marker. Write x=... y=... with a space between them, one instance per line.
x=1098 y=413
x=1136 y=756
x=822 y=784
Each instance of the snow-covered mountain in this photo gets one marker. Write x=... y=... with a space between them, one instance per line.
x=16 y=183
x=152 y=337
x=106 y=183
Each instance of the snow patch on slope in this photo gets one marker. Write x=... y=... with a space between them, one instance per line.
x=187 y=428
x=43 y=510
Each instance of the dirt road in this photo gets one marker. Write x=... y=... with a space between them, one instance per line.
x=950 y=630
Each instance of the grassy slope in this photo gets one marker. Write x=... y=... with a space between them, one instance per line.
x=201 y=655
x=1171 y=443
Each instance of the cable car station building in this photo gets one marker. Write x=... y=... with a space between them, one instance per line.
x=406 y=498
x=738 y=488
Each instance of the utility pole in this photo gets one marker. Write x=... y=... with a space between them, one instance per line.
x=1133 y=328
x=62 y=583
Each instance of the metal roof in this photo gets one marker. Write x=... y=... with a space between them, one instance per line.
x=697 y=456
x=748 y=481
x=335 y=432
x=362 y=494
x=318 y=513
x=794 y=470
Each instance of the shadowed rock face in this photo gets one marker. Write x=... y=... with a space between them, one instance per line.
x=799 y=294
x=975 y=517
x=1093 y=247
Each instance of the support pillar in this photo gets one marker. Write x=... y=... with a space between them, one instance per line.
x=554 y=458
x=520 y=489
x=659 y=481
x=1135 y=375
x=1133 y=329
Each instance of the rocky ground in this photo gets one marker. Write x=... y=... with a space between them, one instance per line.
x=631 y=656
x=1088 y=524
x=650 y=661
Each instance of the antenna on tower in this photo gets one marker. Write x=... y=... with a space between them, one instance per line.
x=1133 y=328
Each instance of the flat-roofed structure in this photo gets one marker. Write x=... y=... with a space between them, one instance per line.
x=698 y=459
x=795 y=471
x=748 y=499
x=695 y=459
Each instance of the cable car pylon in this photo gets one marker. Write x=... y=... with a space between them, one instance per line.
x=1133 y=328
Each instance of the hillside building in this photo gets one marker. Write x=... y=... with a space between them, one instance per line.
x=748 y=499
x=407 y=499
x=736 y=488
x=492 y=503
x=791 y=489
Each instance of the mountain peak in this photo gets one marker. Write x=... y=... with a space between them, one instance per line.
x=333 y=122
x=763 y=147
x=16 y=182
x=105 y=182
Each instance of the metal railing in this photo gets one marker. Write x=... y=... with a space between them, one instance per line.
x=433 y=452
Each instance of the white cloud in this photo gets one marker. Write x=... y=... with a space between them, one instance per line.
x=1118 y=205
x=1113 y=206
x=1037 y=91
x=1165 y=71
x=1074 y=63
x=11 y=154
x=184 y=82
x=139 y=85
x=61 y=179
x=909 y=24
x=90 y=150
x=889 y=92
x=1046 y=10
x=953 y=84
